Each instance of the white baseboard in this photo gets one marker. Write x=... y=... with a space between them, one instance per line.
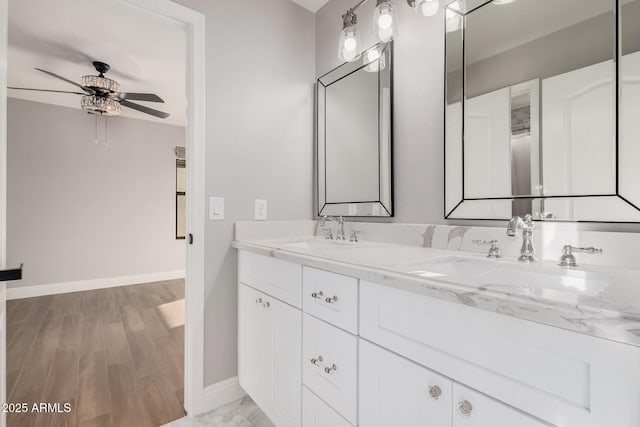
x=222 y=393
x=20 y=292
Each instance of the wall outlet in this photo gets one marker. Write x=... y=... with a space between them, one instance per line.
x=216 y=208
x=261 y=210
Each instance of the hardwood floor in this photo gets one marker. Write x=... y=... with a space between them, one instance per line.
x=115 y=355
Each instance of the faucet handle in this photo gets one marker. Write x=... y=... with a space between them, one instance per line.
x=354 y=236
x=494 y=250
x=568 y=259
x=328 y=234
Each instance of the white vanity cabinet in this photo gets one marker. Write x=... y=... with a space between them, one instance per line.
x=270 y=343
x=369 y=355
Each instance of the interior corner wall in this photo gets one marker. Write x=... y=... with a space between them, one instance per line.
x=260 y=68
x=418 y=109
x=78 y=210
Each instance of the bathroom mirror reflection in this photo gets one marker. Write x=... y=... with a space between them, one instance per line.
x=354 y=136
x=531 y=110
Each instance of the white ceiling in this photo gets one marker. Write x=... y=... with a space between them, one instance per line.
x=146 y=53
x=312 y=5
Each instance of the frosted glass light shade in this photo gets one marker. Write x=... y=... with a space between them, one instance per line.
x=385 y=21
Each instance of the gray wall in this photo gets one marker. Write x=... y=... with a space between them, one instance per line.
x=260 y=74
x=418 y=102
x=79 y=210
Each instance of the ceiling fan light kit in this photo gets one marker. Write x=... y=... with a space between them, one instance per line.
x=103 y=96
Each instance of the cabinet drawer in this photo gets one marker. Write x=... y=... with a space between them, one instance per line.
x=329 y=365
x=558 y=376
x=473 y=409
x=316 y=413
x=331 y=297
x=279 y=279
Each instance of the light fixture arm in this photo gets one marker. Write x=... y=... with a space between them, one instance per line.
x=360 y=3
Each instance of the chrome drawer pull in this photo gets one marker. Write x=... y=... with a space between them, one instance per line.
x=331 y=369
x=317 y=360
x=435 y=392
x=465 y=408
x=317 y=295
x=331 y=300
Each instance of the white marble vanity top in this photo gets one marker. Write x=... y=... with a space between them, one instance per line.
x=594 y=300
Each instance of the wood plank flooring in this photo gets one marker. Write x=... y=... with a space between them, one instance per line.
x=116 y=355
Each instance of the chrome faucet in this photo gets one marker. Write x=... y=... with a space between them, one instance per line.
x=527 y=252
x=340 y=220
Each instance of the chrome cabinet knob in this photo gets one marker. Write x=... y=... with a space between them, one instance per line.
x=317 y=295
x=331 y=300
x=331 y=369
x=434 y=392
x=316 y=360
x=465 y=408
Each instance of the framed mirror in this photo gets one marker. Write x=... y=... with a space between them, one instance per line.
x=354 y=136
x=540 y=100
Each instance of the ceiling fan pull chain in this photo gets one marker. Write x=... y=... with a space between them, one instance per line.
x=106 y=132
x=95 y=140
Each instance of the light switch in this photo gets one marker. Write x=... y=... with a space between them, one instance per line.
x=216 y=208
x=261 y=210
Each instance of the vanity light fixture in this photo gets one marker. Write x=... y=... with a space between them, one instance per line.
x=350 y=38
x=428 y=7
x=385 y=21
x=385 y=24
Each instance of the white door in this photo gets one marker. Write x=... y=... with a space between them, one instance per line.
x=397 y=392
x=473 y=409
x=3 y=195
x=284 y=358
x=252 y=342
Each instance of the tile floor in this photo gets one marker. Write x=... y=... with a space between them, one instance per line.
x=242 y=413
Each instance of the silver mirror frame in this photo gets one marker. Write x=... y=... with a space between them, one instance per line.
x=383 y=207
x=615 y=208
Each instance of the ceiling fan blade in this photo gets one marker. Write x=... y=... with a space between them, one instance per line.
x=131 y=96
x=144 y=109
x=45 y=90
x=64 y=79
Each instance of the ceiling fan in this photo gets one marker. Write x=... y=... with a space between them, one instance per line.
x=101 y=95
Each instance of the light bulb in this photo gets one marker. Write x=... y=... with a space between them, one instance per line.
x=429 y=7
x=385 y=21
x=350 y=44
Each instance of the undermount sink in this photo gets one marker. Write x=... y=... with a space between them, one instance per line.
x=314 y=244
x=489 y=273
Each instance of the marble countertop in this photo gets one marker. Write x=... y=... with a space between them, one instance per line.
x=612 y=313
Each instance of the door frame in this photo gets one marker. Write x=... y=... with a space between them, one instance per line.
x=193 y=23
x=4 y=35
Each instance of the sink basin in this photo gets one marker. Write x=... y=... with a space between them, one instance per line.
x=314 y=244
x=489 y=273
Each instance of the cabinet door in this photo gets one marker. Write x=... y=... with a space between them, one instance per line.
x=252 y=342
x=396 y=392
x=316 y=413
x=283 y=354
x=473 y=409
